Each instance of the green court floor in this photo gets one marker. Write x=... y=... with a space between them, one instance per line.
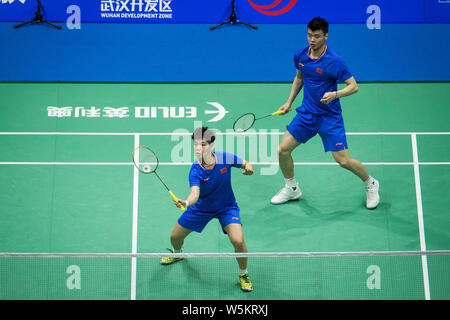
x=68 y=185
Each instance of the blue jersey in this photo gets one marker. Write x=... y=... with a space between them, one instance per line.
x=215 y=184
x=321 y=75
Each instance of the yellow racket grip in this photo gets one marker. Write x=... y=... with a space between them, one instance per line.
x=279 y=112
x=175 y=198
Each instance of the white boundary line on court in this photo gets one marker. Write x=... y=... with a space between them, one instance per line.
x=420 y=216
x=190 y=163
x=135 y=222
x=218 y=133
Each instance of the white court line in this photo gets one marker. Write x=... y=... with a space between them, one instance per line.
x=70 y=163
x=218 y=133
x=420 y=216
x=433 y=163
x=70 y=133
x=135 y=222
x=190 y=163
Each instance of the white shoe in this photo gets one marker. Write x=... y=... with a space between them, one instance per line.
x=373 y=198
x=286 y=194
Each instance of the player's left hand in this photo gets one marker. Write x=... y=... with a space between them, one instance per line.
x=328 y=97
x=248 y=169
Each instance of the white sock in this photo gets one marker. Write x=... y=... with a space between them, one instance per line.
x=369 y=181
x=291 y=183
x=243 y=271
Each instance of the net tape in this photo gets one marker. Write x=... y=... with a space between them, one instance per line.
x=225 y=255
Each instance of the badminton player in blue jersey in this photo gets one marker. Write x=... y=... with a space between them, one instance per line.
x=319 y=70
x=211 y=197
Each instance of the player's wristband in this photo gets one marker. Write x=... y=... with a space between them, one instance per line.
x=187 y=203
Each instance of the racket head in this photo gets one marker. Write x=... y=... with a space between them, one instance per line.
x=145 y=159
x=244 y=122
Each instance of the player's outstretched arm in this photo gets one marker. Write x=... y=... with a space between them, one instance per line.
x=191 y=199
x=248 y=168
x=350 y=88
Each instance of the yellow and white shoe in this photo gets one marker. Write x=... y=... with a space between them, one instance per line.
x=170 y=260
x=245 y=283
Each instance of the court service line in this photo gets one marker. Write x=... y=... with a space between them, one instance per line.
x=420 y=216
x=135 y=222
x=190 y=163
x=229 y=132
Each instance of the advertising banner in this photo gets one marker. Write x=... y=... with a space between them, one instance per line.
x=216 y=11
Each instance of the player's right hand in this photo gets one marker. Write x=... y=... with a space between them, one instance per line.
x=285 y=108
x=180 y=203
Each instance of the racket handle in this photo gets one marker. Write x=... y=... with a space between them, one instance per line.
x=279 y=112
x=175 y=199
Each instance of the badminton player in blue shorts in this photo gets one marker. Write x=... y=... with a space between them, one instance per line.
x=319 y=70
x=211 y=197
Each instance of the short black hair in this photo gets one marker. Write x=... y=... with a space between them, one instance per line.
x=204 y=133
x=318 y=23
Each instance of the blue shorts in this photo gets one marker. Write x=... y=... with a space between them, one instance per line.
x=197 y=220
x=330 y=127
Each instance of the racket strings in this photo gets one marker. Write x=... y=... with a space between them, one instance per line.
x=145 y=160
